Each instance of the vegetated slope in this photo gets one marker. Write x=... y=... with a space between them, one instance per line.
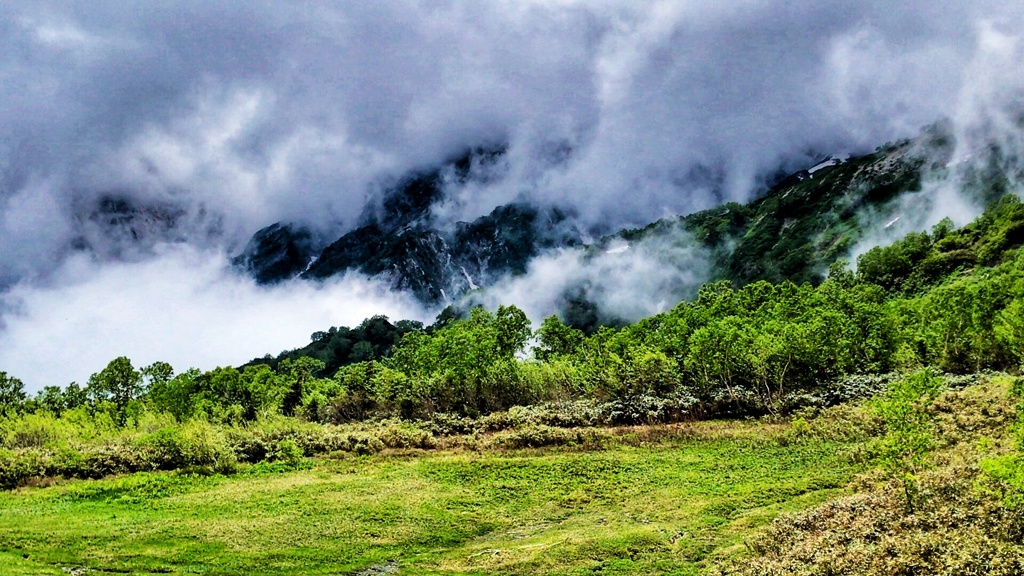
x=953 y=511
x=809 y=219
x=803 y=224
x=950 y=298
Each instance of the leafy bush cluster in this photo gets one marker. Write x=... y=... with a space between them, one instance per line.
x=340 y=345
x=192 y=446
x=538 y=436
x=45 y=446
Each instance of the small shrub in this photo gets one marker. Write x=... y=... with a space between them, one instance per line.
x=447 y=424
x=537 y=436
x=192 y=444
x=856 y=387
x=646 y=409
x=397 y=434
x=846 y=423
x=363 y=444
x=165 y=448
x=287 y=452
x=33 y=431
x=17 y=467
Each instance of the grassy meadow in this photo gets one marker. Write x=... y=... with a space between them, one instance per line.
x=654 y=500
x=922 y=479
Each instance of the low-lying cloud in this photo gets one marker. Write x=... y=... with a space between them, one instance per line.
x=626 y=281
x=183 y=306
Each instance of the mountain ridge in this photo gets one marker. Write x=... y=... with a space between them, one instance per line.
x=795 y=230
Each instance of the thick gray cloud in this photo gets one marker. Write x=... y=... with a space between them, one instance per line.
x=229 y=116
x=278 y=111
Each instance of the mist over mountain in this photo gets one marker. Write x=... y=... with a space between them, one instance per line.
x=142 y=147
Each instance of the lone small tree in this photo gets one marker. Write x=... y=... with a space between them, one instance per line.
x=512 y=330
x=556 y=339
x=908 y=440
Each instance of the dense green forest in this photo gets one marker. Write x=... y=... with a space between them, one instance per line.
x=927 y=314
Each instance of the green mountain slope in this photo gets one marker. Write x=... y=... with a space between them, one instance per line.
x=808 y=220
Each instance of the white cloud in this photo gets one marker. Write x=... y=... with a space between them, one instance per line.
x=182 y=307
x=987 y=121
x=628 y=281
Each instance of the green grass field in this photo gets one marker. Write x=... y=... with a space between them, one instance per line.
x=671 y=505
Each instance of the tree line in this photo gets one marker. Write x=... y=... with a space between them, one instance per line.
x=952 y=299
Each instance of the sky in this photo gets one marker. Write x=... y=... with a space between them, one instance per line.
x=219 y=118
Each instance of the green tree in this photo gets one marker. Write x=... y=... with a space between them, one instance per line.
x=298 y=375
x=157 y=373
x=512 y=331
x=716 y=358
x=119 y=383
x=556 y=339
x=1009 y=330
x=362 y=351
x=839 y=273
x=51 y=399
x=355 y=398
x=646 y=372
x=12 y=393
x=265 y=391
x=226 y=393
x=75 y=396
x=175 y=395
x=770 y=357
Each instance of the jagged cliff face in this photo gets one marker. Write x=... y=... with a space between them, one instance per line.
x=402 y=241
x=439 y=266
x=277 y=252
x=113 y=226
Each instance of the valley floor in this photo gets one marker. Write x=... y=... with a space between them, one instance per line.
x=656 y=500
x=831 y=491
